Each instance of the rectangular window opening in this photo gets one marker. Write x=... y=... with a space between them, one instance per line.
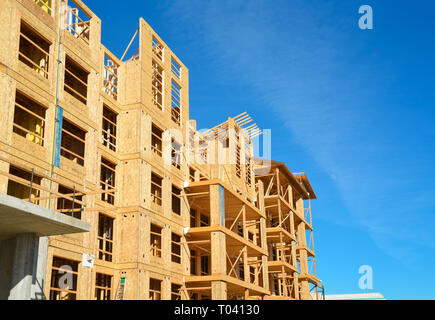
x=105 y=237
x=176 y=68
x=109 y=128
x=176 y=200
x=110 y=82
x=107 y=181
x=103 y=286
x=63 y=290
x=73 y=142
x=156 y=241
x=155 y=289
x=175 y=102
x=157 y=48
x=157 y=85
x=34 y=50
x=29 y=119
x=76 y=80
x=176 y=248
x=156 y=189
x=156 y=140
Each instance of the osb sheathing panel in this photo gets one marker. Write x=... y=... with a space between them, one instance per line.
x=130 y=87
x=130 y=182
x=128 y=132
x=128 y=234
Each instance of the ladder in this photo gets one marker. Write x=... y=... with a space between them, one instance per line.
x=121 y=289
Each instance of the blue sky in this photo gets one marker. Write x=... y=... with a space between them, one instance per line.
x=353 y=109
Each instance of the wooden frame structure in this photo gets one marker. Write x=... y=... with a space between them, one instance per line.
x=175 y=213
x=287 y=224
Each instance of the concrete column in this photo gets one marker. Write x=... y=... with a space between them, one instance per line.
x=24 y=266
x=37 y=291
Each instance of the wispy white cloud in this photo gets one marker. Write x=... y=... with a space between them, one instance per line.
x=294 y=59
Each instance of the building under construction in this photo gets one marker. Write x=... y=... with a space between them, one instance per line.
x=142 y=205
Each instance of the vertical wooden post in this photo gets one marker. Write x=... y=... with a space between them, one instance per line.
x=218 y=242
x=263 y=234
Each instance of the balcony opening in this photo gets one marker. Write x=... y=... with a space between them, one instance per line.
x=103 y=286
x=29 y=119
x=156 y=189
x=175 y=102
x=109 y=128
x=156 y=140
x=73 y=143
x=156 y=241
x=72 y=205
x=176 y=200
x=110 y=82
x=107 y=181
x=76 y=80
x=157 y=85
x=59 y=288
x=155 y=289
x=34 y=50
x=175 y=248
x=105 y=237
x=45 y=5
x=24 y=185
x=77 y=22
